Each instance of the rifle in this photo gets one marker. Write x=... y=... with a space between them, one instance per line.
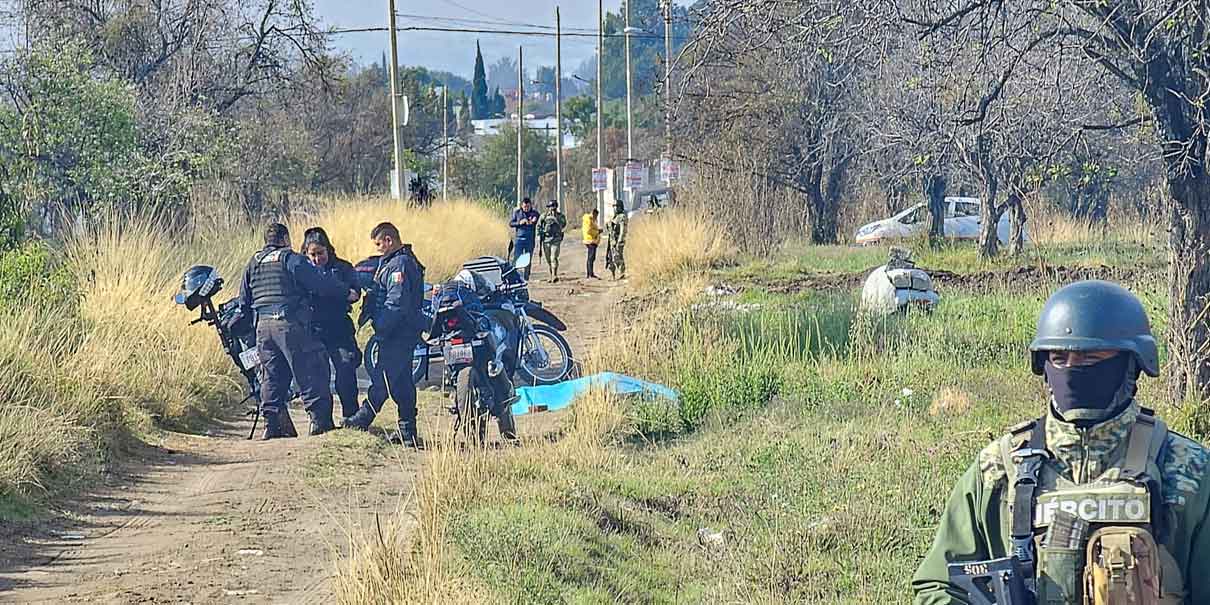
x=992 y=582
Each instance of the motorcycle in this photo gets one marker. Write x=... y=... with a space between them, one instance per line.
x=475 y=349
x=235 y=331
x=542 y=355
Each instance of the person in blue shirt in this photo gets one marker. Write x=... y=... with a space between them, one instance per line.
x=524 y=222
x=276 y=291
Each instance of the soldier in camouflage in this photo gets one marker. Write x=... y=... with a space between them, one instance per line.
x=615 y=259
x=551 y=227
x=1095 y=499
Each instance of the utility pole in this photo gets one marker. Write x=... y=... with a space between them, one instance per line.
x=667 y=6
x=520 y=127
x=600 y=100
x=629 y=86
x=445 y=138
x=394 y=71
x=559 y=108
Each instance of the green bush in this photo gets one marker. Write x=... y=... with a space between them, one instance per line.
x=32 y=276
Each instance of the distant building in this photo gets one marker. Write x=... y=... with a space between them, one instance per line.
x=545 y=126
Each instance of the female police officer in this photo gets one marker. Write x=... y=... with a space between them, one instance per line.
x=331 y=321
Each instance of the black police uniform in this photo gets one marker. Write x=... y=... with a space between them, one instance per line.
x=334 y=328
x=396 y=298
x=276 y=289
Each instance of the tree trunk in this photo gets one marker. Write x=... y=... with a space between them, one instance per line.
x=934 y=191
x=825 y=221
x=989 y=220
x=1016 y=242
x=1189 y=286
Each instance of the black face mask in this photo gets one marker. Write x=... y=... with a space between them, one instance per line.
x=1087 y=393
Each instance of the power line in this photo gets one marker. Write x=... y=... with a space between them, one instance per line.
x=506 y=32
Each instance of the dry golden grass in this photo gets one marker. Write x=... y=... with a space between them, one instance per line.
x=140 y=347
x=443 y=235
x=950 y=401
x=1050 y=226
x=36 y=420
x=669 y=242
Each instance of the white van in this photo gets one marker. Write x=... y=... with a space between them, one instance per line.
x=961 y=222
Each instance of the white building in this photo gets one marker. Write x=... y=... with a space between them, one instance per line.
x=544 y=126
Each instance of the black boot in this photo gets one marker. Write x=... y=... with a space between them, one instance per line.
x=508 y=427
x=287 y=423
x=362 y=419
x=407 y=436
x=273 y=424
x=321 y=424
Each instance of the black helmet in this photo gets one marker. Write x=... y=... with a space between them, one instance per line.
x=199 y=283
x=1091 y=316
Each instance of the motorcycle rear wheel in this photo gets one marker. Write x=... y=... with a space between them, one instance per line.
x=472 y=418
x=556 y=350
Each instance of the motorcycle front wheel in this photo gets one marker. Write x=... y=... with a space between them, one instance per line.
x=545 y=357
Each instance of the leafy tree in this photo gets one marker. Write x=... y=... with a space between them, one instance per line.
x=71 y=142
x=492 y=172
x=546 y=80
x=646 y=48
x=481 y=106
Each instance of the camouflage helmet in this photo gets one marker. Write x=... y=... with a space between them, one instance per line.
x=1095 y=315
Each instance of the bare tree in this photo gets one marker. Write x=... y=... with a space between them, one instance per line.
x=782 y=80
x=1158 y=50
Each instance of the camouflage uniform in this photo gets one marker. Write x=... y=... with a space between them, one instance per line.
x=615 y=259
x=1095 y=502
x=975 y=523
x=551 y=226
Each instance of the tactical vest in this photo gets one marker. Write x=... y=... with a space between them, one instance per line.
x=1099 y=542
x=270 y=282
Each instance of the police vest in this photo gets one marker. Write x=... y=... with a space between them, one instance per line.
x=1058 y=525
x=270 y=282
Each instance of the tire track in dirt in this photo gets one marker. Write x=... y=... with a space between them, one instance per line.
x=171 y=527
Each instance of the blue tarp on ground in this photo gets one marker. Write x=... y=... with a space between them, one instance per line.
x=558 y=396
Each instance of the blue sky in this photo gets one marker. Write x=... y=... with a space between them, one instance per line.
x=455 y=52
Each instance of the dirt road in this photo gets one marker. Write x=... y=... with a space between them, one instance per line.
x=214 y=518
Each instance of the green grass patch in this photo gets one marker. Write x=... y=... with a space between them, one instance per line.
x=807 y=460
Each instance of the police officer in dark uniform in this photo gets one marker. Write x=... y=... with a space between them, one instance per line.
x=277 y=287
x=397 y=295
x=332 y=323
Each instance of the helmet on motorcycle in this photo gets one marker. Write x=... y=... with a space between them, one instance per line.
x=199 y=283
x=474 y=281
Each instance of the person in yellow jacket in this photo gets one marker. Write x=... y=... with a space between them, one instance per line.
x=591 y=231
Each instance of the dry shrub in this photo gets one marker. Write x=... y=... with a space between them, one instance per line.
x=140 y=347
x=950 y=401
x=753 y=213
x=38 y=421
x=443 y=235
x=1050 y=225
x=669 y=242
